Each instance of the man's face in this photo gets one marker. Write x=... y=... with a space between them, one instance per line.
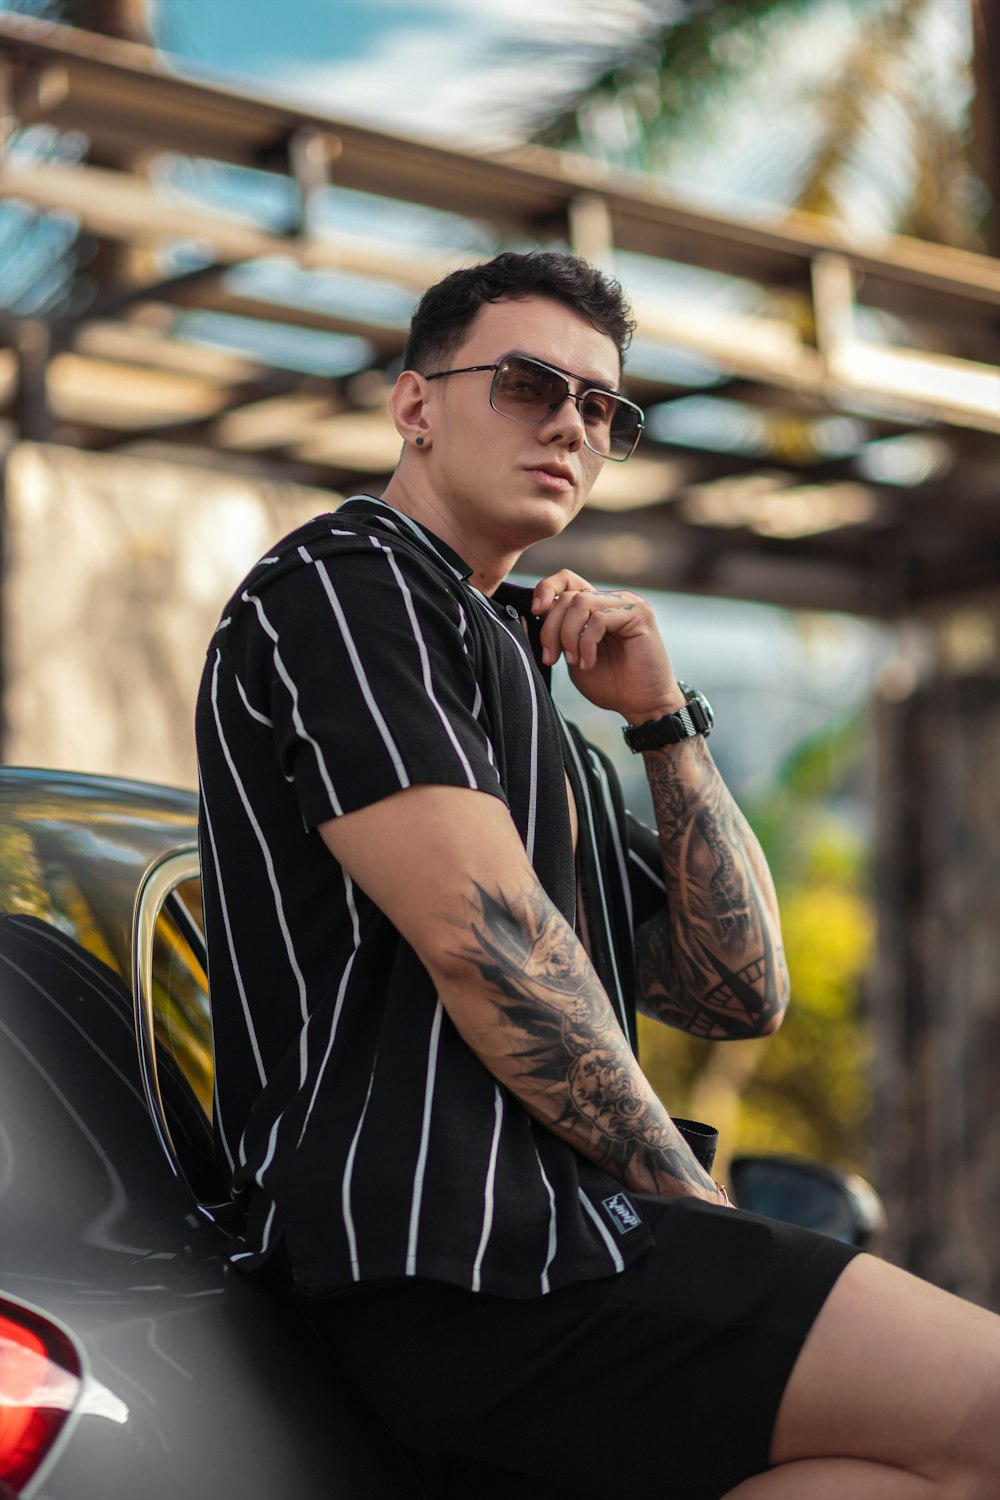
x=503 y=483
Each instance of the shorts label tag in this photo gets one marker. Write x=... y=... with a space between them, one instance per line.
x=621 y=1213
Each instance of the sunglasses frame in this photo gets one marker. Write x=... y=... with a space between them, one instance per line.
x=576 y=396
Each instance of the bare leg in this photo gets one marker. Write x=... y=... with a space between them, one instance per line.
x=895 y=1396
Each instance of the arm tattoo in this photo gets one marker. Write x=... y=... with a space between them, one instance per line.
x=566 y=1057
x=712 y=962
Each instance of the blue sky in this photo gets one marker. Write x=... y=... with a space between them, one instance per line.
x=444 y=69
x=431 y=66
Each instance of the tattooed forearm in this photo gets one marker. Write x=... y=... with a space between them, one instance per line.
x=712 y=962
x=672 y=982
x=562 y=1051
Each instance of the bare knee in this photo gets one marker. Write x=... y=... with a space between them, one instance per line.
x=978 y=1486
x=897 y=1372
x=977 y=1445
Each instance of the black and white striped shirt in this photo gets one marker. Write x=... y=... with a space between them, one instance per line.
x=356 y=1125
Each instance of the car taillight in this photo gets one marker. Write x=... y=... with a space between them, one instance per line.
x=39 y=1385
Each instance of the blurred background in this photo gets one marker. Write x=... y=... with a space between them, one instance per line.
x=215 y=218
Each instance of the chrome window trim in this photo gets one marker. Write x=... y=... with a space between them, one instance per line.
x=162 y=877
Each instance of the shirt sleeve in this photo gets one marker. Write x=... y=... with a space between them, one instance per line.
x=367 y=665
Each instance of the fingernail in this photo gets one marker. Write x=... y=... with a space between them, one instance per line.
x=546 y=656
x=570 y=658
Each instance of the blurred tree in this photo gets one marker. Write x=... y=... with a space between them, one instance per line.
x=875 y=118
x=805 y=1089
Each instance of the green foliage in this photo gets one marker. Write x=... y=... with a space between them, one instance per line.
x=647 y=91
x=671 y=70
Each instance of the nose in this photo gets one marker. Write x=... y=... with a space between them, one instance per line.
x=564 y=423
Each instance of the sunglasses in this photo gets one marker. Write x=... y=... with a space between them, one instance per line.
x=528 y=391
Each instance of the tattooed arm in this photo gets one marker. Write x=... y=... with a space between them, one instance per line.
x=712 y=962
x=514 y=978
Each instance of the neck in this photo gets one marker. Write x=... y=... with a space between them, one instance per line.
x=490 y=563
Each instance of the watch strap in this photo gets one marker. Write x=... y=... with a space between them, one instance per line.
x=684 y=724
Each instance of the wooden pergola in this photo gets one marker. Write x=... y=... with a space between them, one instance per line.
x=824 y=433
x=893 y=342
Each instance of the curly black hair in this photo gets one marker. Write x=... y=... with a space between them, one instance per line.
x=445 y=311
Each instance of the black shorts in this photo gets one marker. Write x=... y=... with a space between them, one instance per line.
x=662 y=1380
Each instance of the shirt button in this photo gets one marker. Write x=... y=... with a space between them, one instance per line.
x=512 y=612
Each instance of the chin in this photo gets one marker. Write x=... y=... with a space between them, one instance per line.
x=547 y=516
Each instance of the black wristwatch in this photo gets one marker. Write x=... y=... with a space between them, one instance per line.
x=696 y=717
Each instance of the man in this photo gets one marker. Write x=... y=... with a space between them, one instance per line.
x=429 y=922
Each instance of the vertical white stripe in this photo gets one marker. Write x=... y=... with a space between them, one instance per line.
x=609 y=810
x=526 y=667
x=334 y=1024
x=345 y=1186
x=362 y=677
x=488 y=1201
x=613 y=1250
x=253 y=712
x=425 y=1131
x=338 y=1007
x=425 y=666
x=230 y=944
x=265 y=1238
x=553 y=1236
x=529 y=840
x=293 y=693
x=272 y=1142
x=609 y=935
x=268 y=861
x=655 y=876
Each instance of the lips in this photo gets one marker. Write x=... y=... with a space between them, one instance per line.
x=552 y=476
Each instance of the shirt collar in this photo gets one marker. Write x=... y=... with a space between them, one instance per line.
x=507 y=597
x=409 y=527
x=512 y=599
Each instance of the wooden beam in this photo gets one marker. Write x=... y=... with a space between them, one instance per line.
x=530 y=185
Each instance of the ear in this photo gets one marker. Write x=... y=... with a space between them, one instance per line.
x=407 y=404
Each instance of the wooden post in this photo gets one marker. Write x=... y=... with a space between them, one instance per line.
x=936 y=987
x=33 y=345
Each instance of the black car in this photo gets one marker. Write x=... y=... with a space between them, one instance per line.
x=135 y=1364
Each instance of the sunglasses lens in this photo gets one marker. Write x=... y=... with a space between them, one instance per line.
x=528 y=392
x=621 y=427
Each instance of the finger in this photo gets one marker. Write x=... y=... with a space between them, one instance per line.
x=576 y=626
x=580 y=647
x=570 y=626
x=564 y=620
x=590 y=639
x=549 y=589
